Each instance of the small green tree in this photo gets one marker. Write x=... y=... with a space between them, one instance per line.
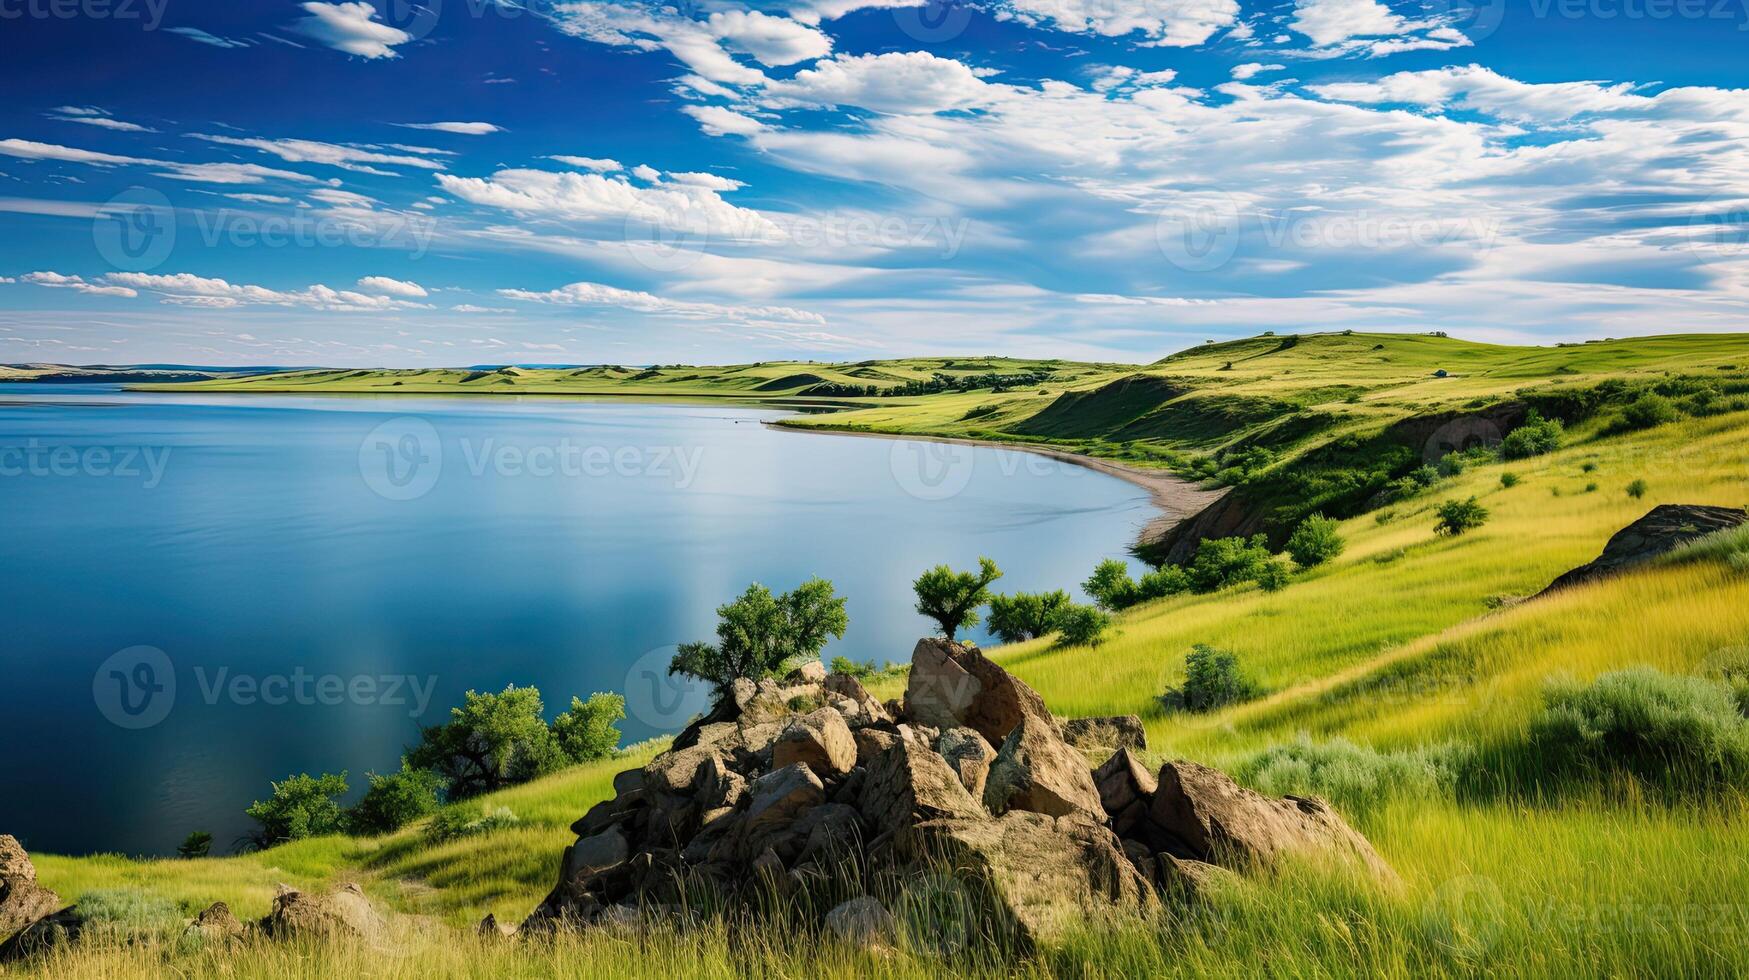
x=1508 y=480
x=1637 y=489
x=197 y=844
x=1536 y=436
x=1025 y=615
x=1110 y=585
x=952 y=598
x=1315 y=541
x=1458 y=516
x=395 y=800
x=759 y=633
x=1165 y=581
x=1221 y=562
x=1078 y=625
x=490 y=742
x=590 y=731
x=1650 y=409
x=1274 y=575
x=301 y=806
x=1211 y=680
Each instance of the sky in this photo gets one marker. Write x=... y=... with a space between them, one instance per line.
x=719 y=181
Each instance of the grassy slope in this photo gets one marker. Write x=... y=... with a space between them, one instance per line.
x=1397 y=643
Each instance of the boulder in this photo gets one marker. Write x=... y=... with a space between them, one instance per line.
x=871 y=742
x=1220 y=822
x=776 y=801
x=1038 y=772
x=344 y=912
x=56 y=930
x=1042 y=875
x=678 y=772
x=1663 y=529
x=719 y=787
x=909 y=783
x=22 y=900
x=594 y=858
x=968 y=755
x=812 y=672
x=1106 y=734
x=869 y=710
x=215 y=925
x=819 y=740
x=952 y=684
x=863 y=923
x=1126 y=790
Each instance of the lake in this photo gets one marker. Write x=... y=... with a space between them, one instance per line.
x=203 y=593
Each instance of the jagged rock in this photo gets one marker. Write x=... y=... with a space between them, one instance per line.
x=909 y=783
x=775 y=802
x=862 y=922
x=833 y=830
x=952 y=685
x=968 y=755
x=869 y=710
x=1126 y=789
x=819 y=740
x=719 y=786
x=871 y=742
x=343 y=912
x=678 y=772
x=1042 y=873
x=812 y=672
x=1221 y=822
x=1663 y=529
x=1191 y=880
x=53 y=931
x=215 y=924
x=592 y=858
x=1036 y=771
x=1106 y=734
x=491 y=928
x=22 y=900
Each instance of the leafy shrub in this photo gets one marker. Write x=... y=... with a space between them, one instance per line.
x=455 y=822
x=952 y=598
x=301 y=806
x=1221 y=562
x=1025 y=615
x=490 y=742
x=850 y=668
x=1079 y=625
x=1458 y=516
x=1648 y=410
x=589 y=730
x=1589 y=466
x=1357 y=779
x=114 y=915
x=395 y=800
x=1162 y=582
x=197 y=844
x=1590 y=488
x=1668 y=730
x=1111 y=586
x=1211 y=680
x=1637 y=489
x=1508 y=480
x=1426 y=476
x=1274 y=575
x=759 y=633
x=1537 y=436
x=1315 y=541
x=1452 y=464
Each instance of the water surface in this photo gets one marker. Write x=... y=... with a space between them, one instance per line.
x=206 y=592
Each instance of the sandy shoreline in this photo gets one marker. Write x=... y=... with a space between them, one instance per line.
x=1176 y=498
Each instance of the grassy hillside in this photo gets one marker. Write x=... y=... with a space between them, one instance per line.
x=1411 y=646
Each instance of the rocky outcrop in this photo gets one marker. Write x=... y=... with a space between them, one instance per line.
x=215 y=925
x=342 y=913
x=1666 y=528
x=1106 y=735
x=967 y=783
x=22 y=900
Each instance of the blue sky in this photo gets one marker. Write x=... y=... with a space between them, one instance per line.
x=470 y=181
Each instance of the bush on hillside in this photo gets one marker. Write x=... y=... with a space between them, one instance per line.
x=1110 y=586
x=1637 y=489
x=197 y=844
x=1537 y=436
x=1508 y=480
x=1211 y=680
x=1274 y=575
x=759 y=634
x=1221 y=562
x=115 y=916
x=1668 y=730
x=1459 y=516
x=490 y=742
x=1647 y=411
x=395 y=800
x=1025 y=615
x=455 y=822
x=1077 y=625
x=1315 y=541
x=952 y=598
x=301 y=806
x=1357 y=779
x=589 y=730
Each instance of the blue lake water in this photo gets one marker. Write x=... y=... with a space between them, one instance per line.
x=203 y=593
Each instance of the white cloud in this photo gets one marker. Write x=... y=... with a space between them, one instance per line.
x=718 y=121
x=350 y=27
x=260 y=198
x=346 y=157
x=392 y=287
x=459 y=128
x=1483 y=90
x=596 y=198
x=184 y=289
x=896 y=83
x=203 y=173
x=196 y=34
x=93 y=116
x=471 y=308
x=31 y=150
x=597 y=164
x=55 y=280
x=1175 y=23
x=770 y=40
x=1253 y=69
x=596 y=294
x=343 y=199
x=1370 y=27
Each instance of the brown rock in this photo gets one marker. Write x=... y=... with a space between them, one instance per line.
x=968 y=755
x=863 y=923
x=812 y=672
x=869 y=711
x=342 y=912
x=1036 y=771
x=594 y=858
x=952 y=685
x=1663 y=529
x=22 y=900
x=678 y=772
x=1191 y=880
x=776 y=801
x=908 y=783
x=871 y=742
x=215 y=924
x=820 y=740
x=1126 y=788
x=1223 y=823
